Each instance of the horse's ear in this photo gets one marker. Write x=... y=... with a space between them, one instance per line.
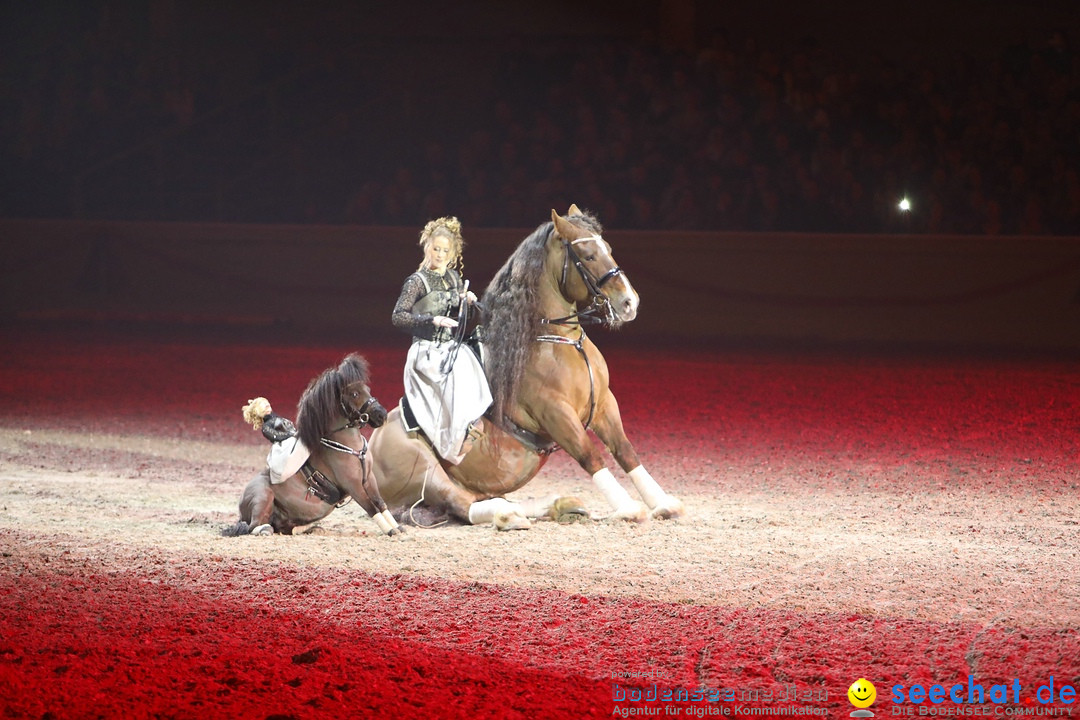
x=574 y=210
x=564 y=227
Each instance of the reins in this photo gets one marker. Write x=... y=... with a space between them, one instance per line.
x=459 y=333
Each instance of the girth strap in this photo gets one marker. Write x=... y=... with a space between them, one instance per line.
x=580 y=345
x=529 y=439
x=320 y=486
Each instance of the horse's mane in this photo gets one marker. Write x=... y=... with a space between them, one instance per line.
x=321 y=402
x=512 y=322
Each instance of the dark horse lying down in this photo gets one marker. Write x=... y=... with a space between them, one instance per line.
x=332 y=411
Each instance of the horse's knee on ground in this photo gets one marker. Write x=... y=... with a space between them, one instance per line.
x=500 y=512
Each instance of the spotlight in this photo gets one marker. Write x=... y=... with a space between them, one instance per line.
x=904 y=205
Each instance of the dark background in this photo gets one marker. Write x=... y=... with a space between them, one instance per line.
x=267 y=165
x=667 y=114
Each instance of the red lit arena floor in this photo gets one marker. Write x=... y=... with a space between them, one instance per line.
x=910 y=520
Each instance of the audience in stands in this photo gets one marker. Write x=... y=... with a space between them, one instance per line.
x=738 y=136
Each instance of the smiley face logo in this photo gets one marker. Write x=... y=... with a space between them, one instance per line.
x=862 y=693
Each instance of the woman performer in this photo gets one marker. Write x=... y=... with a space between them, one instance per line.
x=446 y=389
x=287 y=453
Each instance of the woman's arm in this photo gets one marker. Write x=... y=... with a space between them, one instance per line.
x=403 y=317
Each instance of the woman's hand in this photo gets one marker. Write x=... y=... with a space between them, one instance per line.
x=444 y=322
x=469 y=295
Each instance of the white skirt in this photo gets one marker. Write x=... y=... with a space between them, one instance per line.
x=285 y=459
x=444 y=405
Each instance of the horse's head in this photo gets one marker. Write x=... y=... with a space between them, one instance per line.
x=360 y=406
x=595 y=275
x=337 y=392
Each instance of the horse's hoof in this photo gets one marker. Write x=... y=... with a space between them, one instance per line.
x=511 y=521
x=631 y=512
x=264 y=529
x=670 y=508
x=568 y=509
x=396 y=530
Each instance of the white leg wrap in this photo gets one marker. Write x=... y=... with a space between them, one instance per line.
x=390 y=520
x=382 y=523
x=536 y=507
x=625 y=507
x=484 y=511
x=660 y=503
x=650 y=491
x=614 y=493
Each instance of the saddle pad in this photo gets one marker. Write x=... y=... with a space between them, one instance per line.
x=408 y=420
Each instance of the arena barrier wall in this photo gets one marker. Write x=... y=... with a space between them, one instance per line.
x=962 y=293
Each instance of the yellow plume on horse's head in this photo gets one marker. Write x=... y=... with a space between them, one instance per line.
x=255 y=411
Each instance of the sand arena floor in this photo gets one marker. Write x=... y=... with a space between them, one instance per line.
x=911 y=520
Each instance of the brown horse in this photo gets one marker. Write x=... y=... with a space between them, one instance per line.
x=333 y=409
x=550 y=387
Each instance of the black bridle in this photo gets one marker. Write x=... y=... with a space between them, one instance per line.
x=600 y=310
x=354 y=418
x=357 y=417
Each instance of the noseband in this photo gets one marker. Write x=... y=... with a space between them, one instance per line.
x=358 y=417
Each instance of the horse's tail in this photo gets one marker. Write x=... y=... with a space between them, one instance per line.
x=236 y=530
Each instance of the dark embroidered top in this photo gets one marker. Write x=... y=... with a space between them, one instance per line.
x=415 y=317
x=276 y=428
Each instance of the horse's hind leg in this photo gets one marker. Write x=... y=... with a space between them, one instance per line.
x=555 y=507
x=257 y=504
x=609 y=428
x=500 y=512
x=438 y=489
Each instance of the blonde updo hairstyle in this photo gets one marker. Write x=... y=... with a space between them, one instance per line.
x=449 y=228
x=254 y=412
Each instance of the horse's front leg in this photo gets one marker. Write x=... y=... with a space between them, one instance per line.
x=353 y=475
x=561 y=422
x=381 y=513
x=609 y=428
